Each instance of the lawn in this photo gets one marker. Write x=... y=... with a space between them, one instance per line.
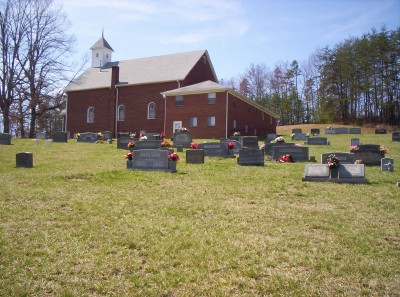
x=80 y=224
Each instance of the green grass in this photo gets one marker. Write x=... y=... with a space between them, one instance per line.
x=80 y=224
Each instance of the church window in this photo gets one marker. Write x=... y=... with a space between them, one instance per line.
x=121 y=113
x=151 y=111
x=90 y=115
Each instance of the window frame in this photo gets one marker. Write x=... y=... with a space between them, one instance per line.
x=212 y=98
x=90 y=115
x=193 y=122
x=151 y=116
x=211 y=121
x=121 y=111
x=179 y=102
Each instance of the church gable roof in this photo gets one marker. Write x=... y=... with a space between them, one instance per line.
x=141 y=71
x=101 y=43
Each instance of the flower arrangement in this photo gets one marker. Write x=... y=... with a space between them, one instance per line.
x=183 y=129
x=165 y=144
x=173 y=157
x=384 y=149
x=133 y=135
x=353 y=148
x=110 y=141
x=99 y=134
x=292 y=135
x=162 y=135
x=236 y=133
x=231 y=145
x=142 y=137
x=262 y=147
x=279 y=139
x=332 y=161
x=100 y=141
x=131 y=144
x=194 y=145
x=129 y=156
x=298 y=145
x=285 y=159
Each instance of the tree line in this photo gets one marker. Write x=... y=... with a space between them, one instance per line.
x=33 y=69
x=355 y=82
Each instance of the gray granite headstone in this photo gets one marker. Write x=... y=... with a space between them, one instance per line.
x=249 y=142
x=355 y=142
x=298 y=153
x=341 y=130
x=60 y=137
x=88 y=137
x=315 y=131
x=151 y=160
x=5 y=138
x=296 y=130
x=380 y=131
x=369 y=147
x=317 y=141
x=251 y=157
x=182 y=138
x=106 y=135
x=24 y=160
x=215 y=149
x=396 y=136
x=387 y=164
x=316 y=171
x=354 y=130
x=40 y=135
x=236 y=145
x=344 y=158
x=330 y=131
x=195 y=156
x=300 y=136
x=122 y=142
x=369 y=156
x=270 y=137
x=123 y=134
x=147 y=144
x=351 y=171
x=269 y=147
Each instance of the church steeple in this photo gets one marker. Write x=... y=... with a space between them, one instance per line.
x=101 y=52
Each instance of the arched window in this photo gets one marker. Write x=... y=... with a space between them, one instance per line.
x=90 y=115
x=151 y=111
x=121 y=113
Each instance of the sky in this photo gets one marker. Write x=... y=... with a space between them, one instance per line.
x=236 y=33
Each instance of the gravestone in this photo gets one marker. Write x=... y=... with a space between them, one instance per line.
x=270 y=137
x=347 y=173
x=88 y=137
x=5 y=138
x=380 y=131
x=315 y=131
x=354 y=130
x=341 y=130
x=316 y=172
x=249 y=142
x=40 y=135
x=396 y=136
x=60 y=137
x=147 y=144
x=269 y=147
x=330 y=131
x=153 y=136
x=24 y=160
x=344 y=158
x=123 y=134
x=355 y=142
x=195 y=156
x=179 y=148
x=236 y=145
x=298 y=153
x=251 y=157
x=300 y=136
x=296 y=130
x=317 y=141
x=182 y=138
x=215 y=149
x=122 y=142
x=387 y=164
x=235 y=137
x=151 y=160
x=370 y=154
x=106 y=135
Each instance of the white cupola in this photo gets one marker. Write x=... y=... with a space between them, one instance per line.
x=101 y=52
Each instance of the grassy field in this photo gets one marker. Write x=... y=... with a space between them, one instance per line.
x=80 y=224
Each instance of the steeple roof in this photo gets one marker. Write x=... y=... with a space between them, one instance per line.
x=101 y=43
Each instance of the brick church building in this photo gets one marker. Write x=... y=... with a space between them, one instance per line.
x=160 y=94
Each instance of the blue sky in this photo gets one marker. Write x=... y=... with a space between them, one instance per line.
x=236 y=33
